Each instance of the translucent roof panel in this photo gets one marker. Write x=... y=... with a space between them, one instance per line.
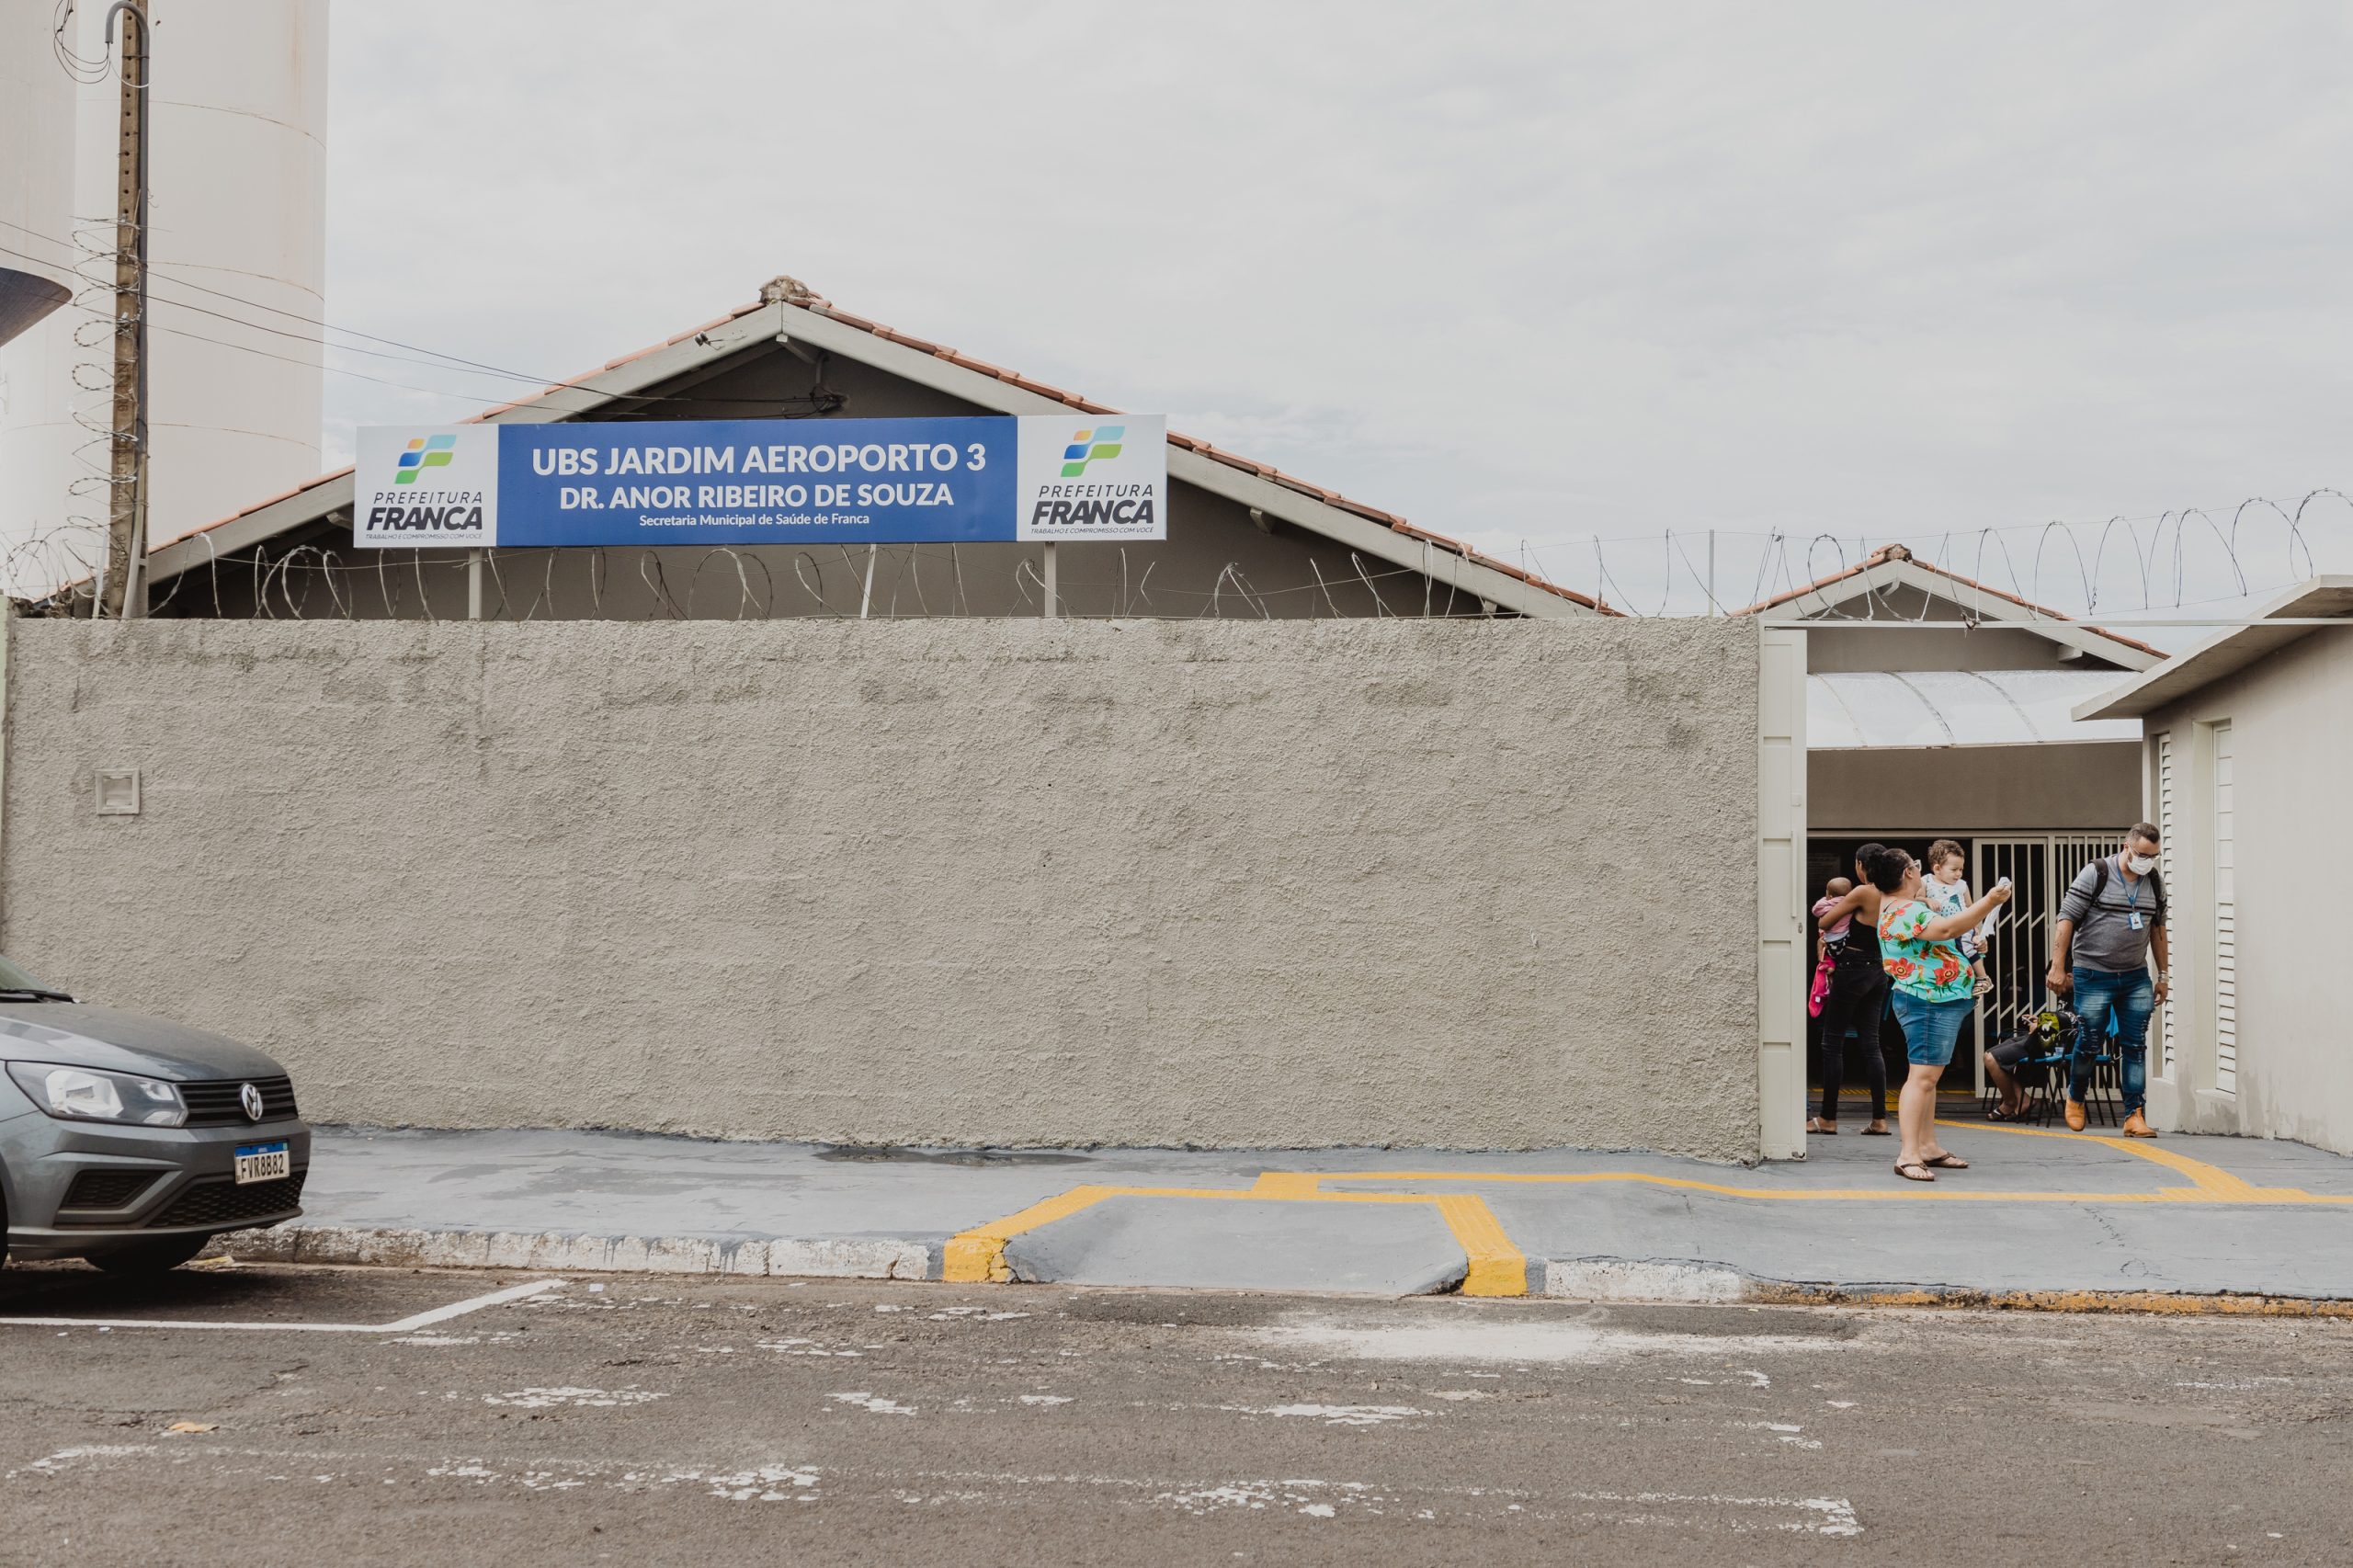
x=1858 y=709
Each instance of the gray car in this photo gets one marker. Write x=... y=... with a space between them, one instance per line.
x=131 y=1141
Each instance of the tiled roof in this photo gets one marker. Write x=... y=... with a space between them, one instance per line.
x=1888 y=554
x=549 y=390
x=789 y=291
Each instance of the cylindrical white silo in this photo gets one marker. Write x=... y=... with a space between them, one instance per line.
x=37 y=281
x=36 y=169
x=237 y=236
x=238 y=200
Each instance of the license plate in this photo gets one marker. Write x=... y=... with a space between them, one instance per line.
x=263 y=1162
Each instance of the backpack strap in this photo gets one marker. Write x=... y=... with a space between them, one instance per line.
x=2156 y=880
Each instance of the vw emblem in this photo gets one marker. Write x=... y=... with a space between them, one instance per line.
x=250 y=1097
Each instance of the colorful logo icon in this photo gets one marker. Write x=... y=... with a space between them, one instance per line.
x=1098 y=444
x=434 y=451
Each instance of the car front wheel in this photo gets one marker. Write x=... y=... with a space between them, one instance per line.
x=151 y=1258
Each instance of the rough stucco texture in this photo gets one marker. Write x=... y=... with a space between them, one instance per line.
x=1481 y=885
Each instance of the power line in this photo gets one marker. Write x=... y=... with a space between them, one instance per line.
x=320 y=323
x=290 y=359
x=768 y=403
x=548 y=386
x=86 y=72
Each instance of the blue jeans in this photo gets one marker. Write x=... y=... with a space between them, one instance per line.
x=2129 y=998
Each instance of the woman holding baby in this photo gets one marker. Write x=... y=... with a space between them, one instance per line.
x=1847 y=916
x=1933 y=992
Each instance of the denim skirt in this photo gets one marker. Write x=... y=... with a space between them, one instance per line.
x=1930 y=1028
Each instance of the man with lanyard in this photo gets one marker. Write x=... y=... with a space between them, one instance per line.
x=2113 y=914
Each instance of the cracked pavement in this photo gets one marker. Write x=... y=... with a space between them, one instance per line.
x=647 y=1419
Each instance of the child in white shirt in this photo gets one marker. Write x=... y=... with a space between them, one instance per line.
x=1945 y=891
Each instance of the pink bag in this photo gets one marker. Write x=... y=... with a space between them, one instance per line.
x=1820 y=995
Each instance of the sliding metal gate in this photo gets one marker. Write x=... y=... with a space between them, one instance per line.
x=2039 y=865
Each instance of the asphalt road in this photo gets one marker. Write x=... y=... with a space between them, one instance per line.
x=708 y=1421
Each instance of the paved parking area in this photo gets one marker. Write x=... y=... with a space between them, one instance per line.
x=2041 y=1211
x=651 y=1419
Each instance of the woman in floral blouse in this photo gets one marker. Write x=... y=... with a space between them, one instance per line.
x=1932 y=991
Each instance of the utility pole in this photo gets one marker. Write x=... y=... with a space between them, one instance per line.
x=126 y=578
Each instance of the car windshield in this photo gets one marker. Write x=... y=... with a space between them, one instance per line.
x=15 y=979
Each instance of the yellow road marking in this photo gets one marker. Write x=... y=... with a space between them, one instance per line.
x=977 y=1256
x=2212 y=1179
x=2208 y=1183
x=1925 y=1193
x=1498 y=1267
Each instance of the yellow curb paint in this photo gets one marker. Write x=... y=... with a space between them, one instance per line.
x=1498 y=1267
x=1946 y=1190
x=972 y=1259
x=977 y=1256
x=2224 y=1186
x=2208 y=1183
x=1493 y=1267
x=1940 y=1192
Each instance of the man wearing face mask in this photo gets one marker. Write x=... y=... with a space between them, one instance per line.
x=2113 y=916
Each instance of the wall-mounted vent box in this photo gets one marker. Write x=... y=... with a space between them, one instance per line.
x=117 y=791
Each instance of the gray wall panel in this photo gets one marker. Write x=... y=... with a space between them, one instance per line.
x=1468 y=884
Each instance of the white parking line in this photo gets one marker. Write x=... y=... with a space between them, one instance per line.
x=471 y=1305
x=405 y=1325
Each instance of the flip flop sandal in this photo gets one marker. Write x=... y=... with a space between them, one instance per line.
x=1947 y=1163
x=1877 y=1132
x=1907 y=1169
x=1822 y=1129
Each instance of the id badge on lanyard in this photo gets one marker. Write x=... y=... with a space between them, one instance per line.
x=2133 y=919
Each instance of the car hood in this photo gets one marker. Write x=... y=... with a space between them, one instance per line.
x=75 y=1034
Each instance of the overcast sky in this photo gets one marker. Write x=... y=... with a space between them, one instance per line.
x=1521 y=272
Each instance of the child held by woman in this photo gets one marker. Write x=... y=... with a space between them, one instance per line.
x=1946 y=890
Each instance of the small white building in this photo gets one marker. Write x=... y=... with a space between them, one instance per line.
x=2247 y=748
x=1939 y=706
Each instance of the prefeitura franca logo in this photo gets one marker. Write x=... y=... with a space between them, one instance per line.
x=433 y=452
x=1099 y=444
x=427 y=486
x=1082 y=478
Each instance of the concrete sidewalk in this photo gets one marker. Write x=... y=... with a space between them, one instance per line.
x=2043 y=1217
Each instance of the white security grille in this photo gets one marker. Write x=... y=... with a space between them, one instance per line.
x=2020 y=949
x=2164 y=870
x=2226 y=962
x=2039 y=866
x=2073 y=851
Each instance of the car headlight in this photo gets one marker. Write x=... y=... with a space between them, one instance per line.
x=84 y=1094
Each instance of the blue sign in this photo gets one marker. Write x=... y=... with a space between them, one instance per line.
x=739 y=482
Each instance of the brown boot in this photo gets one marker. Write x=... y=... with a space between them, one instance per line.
x=2076 y=1115
x=2137 y=1126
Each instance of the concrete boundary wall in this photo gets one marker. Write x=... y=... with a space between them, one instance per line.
x=1481 y=885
